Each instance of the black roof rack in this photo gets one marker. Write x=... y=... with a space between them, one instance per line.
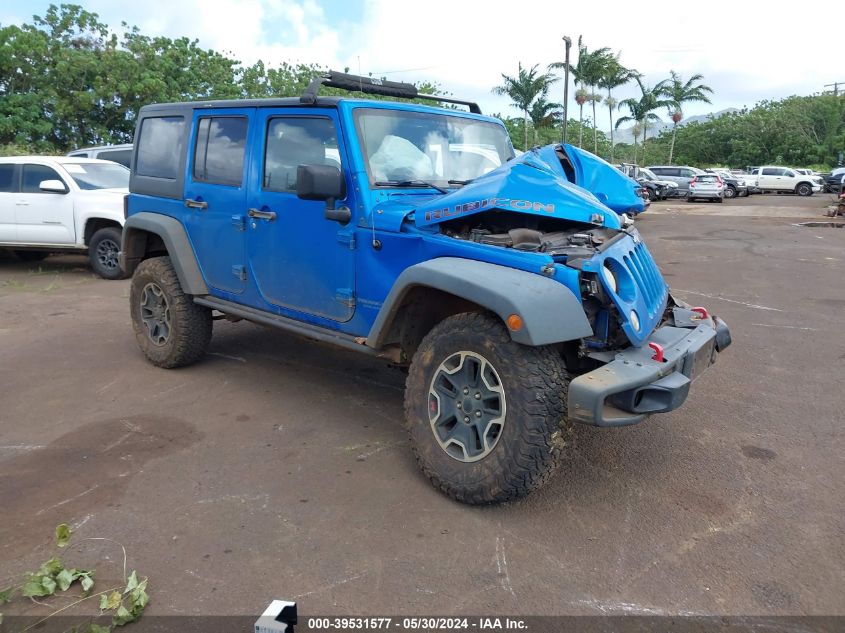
x=369 y=85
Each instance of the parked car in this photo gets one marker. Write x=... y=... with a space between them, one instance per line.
x=117 y=153
x=663 y=188
x=833 y=181
x=785 y=180
x=519 y=300
x=682 y=175
x=707 y=187
x=63 y=204
x=734 y=185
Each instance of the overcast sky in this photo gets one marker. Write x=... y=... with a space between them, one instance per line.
x=746 y=51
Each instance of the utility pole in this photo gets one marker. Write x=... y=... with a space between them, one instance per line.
x=568 y=43
x=835 y=85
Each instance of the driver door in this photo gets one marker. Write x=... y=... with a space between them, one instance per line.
x=299 y=259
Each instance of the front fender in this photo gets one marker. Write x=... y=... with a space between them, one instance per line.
x=172 y=233
x=551 y=313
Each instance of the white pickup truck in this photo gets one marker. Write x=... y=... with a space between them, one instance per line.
x=60 y=204
x=784 y=179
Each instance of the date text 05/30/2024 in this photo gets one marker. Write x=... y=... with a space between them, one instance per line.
x=414 y=624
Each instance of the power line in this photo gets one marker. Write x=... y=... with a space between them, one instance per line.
x=835 y=85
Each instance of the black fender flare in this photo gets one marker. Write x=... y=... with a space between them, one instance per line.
x=175 y=239
x=550 y=312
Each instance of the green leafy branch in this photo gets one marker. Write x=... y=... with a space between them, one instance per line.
x=125 y=603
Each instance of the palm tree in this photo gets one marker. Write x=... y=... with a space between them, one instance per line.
x=642 y=109
x=544 y=113
x=579 y=74
x=595 y=68
x=678 y=93
x=524 y=89
x=615 y=75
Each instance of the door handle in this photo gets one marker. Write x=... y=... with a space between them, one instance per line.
x=262 y=215
x=196 y=204
x=22 y=204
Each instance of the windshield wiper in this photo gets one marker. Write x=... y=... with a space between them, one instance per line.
x=410 y=183
x=460 y=182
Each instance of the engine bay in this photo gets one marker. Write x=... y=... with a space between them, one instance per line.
x=535 y=234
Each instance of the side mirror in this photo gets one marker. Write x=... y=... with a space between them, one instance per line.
x=323 y=182
x=52 y=186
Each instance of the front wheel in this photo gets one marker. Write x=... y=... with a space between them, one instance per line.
x=486 y=416
x=730 y=192
x=103 y=251
x=170 y=328
x=804 y=189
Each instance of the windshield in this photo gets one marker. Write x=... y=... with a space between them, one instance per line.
x=98 y=175
x=646 y=173
x=401 y=146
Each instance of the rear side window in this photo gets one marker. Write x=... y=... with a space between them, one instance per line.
x=34 y=175
x=122 y=156
x=772 y=171
x=7 y=184
x=219 y=150
x=292 y=142
x=160 y=147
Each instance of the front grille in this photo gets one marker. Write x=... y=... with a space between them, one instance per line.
x=647 y=277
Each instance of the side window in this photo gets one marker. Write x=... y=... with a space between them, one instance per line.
x=686 y=173
x=160 y=147
x=121 y=156
x=34 y=175
x=660 y=171
x=788 y=173
x=7 y=184
x=292 y=142
x=219 y=150
x=771 y=171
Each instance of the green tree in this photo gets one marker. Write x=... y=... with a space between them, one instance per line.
x=523 y=90
x=615 y=75
x=642 y=110
x=679 y=92
x=579 y=73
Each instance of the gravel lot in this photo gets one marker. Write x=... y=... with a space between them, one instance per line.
x=278 y=467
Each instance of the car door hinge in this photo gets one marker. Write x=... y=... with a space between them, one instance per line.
x=345 y=296
x=239 y=222
x=239 y=272
x=348 y=239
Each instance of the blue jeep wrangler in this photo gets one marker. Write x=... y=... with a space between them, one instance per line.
x=511 y=288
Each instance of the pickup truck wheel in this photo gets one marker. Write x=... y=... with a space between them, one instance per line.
x=170 y=328
x=804 y=189
x=486 y=416
x=31 y=256
x=102 y=253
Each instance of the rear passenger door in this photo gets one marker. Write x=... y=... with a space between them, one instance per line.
x=215 y=195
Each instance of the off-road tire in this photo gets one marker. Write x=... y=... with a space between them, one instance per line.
x=102 y=253
x=190 y=325
x=803 y=189
x=536 y=427
x=31 y=256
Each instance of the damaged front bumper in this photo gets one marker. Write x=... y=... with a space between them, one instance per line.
x=634 y=385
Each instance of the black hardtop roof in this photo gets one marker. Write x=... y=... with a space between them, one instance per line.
x=272 y=102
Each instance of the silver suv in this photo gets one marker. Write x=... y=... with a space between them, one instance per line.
x=680 y=174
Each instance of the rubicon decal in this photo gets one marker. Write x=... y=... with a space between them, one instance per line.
x=489 y=203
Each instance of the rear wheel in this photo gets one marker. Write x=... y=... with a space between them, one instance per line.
x=804 y=189
x=170 y=328
x=31 y=256
x=103 y=251
x=486 y=416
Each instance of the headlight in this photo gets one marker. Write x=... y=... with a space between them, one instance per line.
x=609 y=279
x=635 y=320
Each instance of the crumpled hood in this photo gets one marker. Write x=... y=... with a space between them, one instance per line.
x=608 y=184
x=527 y=184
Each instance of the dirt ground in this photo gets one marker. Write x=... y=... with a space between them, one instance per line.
x=278 y=467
